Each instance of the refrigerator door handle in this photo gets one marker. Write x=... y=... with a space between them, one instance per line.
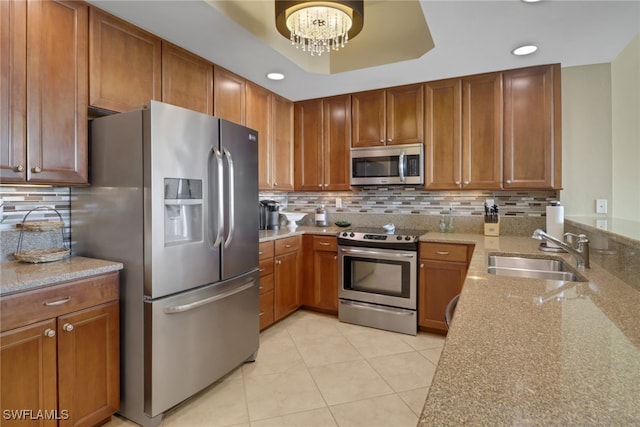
x=193 y=305
x=232 y=213
x=220 y=207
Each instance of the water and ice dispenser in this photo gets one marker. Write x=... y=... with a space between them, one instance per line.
x=183 y=204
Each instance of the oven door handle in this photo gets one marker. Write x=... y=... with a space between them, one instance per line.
x=384 y=254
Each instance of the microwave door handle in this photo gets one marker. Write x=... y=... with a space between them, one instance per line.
x=220 y=207
x=231 y=201
x=401 y=168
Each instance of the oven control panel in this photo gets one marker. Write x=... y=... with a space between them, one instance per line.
x=378 y=237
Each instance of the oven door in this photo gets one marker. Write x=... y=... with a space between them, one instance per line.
x=378 y=276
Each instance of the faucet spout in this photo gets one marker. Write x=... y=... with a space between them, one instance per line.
x=580 y=251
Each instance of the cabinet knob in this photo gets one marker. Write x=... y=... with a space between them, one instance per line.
x=278 y=262
x=320 y=185
x=457 y=182
x=466 y=183
x=49 y=333
x=18 y=168
x=422 y=265
x=36 y=169
x=390 y=140
x=275 y=184
x=335 y=257
x=325 y=185
x=382 y=141
x=508 y=181
x=68 y=327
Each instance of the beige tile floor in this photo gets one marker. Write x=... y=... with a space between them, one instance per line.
x=313 y=370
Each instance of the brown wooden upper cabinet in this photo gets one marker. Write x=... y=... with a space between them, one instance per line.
x=463 y=133
x=387 y=116
x=124 y=63
x=43 y=134
x=322 y=141
x=187 y=79
x=532 y=128
x=229 y=95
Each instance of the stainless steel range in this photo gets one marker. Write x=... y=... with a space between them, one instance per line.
x=378 y=278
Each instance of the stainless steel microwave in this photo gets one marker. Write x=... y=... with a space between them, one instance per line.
x=391 y=164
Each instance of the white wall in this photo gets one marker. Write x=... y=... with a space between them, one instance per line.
x=625 y=89
x=586 y=138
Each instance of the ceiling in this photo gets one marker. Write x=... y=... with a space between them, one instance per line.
x=470 y=37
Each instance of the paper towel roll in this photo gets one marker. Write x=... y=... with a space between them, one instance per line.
x=555 y=222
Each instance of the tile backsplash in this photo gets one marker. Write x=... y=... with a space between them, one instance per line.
x=401 y=200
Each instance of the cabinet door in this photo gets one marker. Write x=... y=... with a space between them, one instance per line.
x=259 y=117
x=13 y=89
x=308 y=145
x=439 y=282
x=28 y=368
x=443 y=145
x=287 y=292
x=282 y=144
x=482 y=132
x=125 y=64
x=404 y=115
x=367 y=119
x=532 y=144
x=336 y=143
x=187 y=80
x=325 y=280
x=228 y=95
x=88 y=364
x=57 y=92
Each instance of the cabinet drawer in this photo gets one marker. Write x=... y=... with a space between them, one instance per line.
x=266 y=267
x=29 y=307
x=265 y=250
x=325 y=243
x=288 y=244
x=266 y=283
x=266 y=309
x=444 y=252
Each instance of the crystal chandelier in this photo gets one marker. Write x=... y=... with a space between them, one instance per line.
x=319 y=26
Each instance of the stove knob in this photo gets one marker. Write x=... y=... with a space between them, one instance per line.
x=407 y=238
x=399 y=238
x=344 y=234
x=352 y=234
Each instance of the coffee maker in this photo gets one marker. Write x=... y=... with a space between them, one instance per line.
x=269 y=215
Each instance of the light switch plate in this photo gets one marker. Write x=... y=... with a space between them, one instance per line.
x=601 y=206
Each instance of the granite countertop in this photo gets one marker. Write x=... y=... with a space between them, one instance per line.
x=537 y=352
x=16 y=276
x=266 y=235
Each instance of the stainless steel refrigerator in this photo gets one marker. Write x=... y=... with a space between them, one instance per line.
x=173 y=197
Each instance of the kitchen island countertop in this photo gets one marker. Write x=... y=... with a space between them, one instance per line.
x=536 y=352
x=16 y=276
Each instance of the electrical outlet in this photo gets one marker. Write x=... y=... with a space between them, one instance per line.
x=338 y=202
x=601 y=206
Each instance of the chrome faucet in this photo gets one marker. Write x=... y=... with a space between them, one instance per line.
x=580 y=251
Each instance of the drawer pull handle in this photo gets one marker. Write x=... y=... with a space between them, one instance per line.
x=324 y=243
x=261 y=270
x=68 y=327
x=49 y=333
x=261 y=314
x=260 y=252
x=288 y=245
x=261 y=287
x=58 y=302
x=442 y=252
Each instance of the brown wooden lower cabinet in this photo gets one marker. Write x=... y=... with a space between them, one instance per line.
x=321 y=273
x=62 y=371
x=265 y=255
x=287 y=293
x=443 y=268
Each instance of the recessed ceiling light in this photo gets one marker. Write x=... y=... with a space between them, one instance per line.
x=524 y=50
x=529 y=1
x=275 y=76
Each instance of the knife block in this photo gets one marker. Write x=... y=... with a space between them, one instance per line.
x=492 y=228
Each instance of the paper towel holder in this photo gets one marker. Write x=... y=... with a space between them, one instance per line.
x=544 y=246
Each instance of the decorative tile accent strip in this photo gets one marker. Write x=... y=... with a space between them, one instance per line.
x=17 y=202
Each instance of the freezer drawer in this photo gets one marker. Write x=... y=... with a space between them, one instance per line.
x=194 y=338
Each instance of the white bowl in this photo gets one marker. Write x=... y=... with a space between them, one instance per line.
x=292 y=217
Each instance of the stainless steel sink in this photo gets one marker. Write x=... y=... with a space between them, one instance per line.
x=534 y=268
